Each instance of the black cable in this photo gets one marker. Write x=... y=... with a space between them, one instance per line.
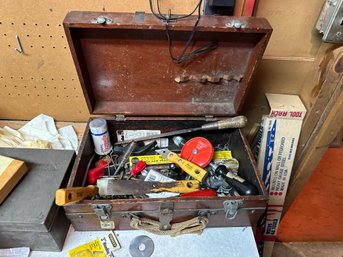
x=183 y=56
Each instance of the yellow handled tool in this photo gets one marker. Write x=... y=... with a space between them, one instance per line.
x=74 y=194
x=190 y=168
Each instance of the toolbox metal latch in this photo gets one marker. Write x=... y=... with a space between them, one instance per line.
x=101 y=20
x=231 y=208
x=166 y=215
x=103 y=212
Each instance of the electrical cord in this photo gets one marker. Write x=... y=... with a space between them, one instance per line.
x=167 y=19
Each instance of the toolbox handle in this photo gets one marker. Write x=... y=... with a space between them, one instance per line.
x=192 y=226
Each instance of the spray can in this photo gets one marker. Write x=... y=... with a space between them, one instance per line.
x=101 y=138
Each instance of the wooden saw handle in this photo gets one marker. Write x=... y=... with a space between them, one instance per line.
x=74 y=194
x=190 y=168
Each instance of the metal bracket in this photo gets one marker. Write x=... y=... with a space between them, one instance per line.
x=231 y=208
x=103 y=212
x=120 y=117
x=235 y=25
x=101 y=20
x=166 y=215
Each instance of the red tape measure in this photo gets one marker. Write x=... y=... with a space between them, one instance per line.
x=198 y=150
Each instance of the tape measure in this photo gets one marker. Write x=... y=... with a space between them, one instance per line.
x=198 y=150
x=157 y=159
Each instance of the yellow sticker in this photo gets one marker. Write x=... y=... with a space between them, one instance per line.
x=218 y=155
x=90 y=249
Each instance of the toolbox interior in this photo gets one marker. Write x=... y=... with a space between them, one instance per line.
x=232 y=137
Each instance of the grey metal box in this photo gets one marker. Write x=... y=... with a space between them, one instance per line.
x=29 y=216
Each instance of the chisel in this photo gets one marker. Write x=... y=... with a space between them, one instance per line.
x=234 y=122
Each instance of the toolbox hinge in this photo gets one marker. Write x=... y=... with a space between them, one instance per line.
x=166 y=215
x=231 y=208
x=209 y=118
x=120 y=117
x=103 y=212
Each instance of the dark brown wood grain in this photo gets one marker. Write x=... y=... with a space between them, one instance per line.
x=125 y=67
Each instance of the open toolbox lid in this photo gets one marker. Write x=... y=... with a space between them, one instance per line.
x=125 y=68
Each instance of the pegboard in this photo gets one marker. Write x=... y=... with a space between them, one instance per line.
x=43 y=79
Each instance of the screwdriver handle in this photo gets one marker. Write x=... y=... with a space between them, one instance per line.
x=74 y=194
x=242 y=186
x=234 y=122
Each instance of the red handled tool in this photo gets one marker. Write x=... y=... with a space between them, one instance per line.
x=200 y=193
x=139 y=167
x=97 y=172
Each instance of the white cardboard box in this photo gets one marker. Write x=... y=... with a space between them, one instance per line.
x=281 y=130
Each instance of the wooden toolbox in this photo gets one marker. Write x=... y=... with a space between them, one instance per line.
x=129 y=78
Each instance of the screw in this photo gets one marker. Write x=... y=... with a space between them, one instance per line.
x=338 y=34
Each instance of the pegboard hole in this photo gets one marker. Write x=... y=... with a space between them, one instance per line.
x=57 y=96
x=42 y=46
x=55 y=87
x=42 y=78
x=9 y=93
x=52 y=78
x=45 y=87
x=9 y=45
x=39 y=35
x=25 y=86
x=21 y=77
x=5 y=85
x=59 y=25
x=12 y=23
x=35 y=87
x=50 y=36
x=48 y=24
x=24 y=23
x=65 y=88
x=31 y=46
x=36 y=24
x=15 y=86
x=65 y=47
x=53 y=47
x=28 y=35
x=32 y=78
x=5 y=34
x=18 y=94
x=11 y=77
x=62 y=36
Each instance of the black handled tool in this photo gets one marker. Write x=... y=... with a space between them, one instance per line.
x=234 y=122
x=242 y=186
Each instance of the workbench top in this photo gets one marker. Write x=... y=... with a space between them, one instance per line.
x=214 y=242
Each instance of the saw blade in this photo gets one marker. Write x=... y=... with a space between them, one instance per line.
x=110 y=186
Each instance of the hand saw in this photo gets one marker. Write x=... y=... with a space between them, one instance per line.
x=107 y=186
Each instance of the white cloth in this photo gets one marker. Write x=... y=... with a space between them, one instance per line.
x=40 y=132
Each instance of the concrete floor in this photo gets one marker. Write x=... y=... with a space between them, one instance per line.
x=311 y=249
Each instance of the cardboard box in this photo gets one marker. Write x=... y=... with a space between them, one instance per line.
x=280 y=135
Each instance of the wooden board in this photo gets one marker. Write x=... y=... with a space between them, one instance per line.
x=316 y=149
x=11 y=171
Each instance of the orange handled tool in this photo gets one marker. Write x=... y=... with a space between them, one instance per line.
x=74 y=194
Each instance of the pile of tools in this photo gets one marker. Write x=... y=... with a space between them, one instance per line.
x=145 y=168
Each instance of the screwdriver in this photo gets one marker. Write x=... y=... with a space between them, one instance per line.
x=242 y=186
x=234 y=122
